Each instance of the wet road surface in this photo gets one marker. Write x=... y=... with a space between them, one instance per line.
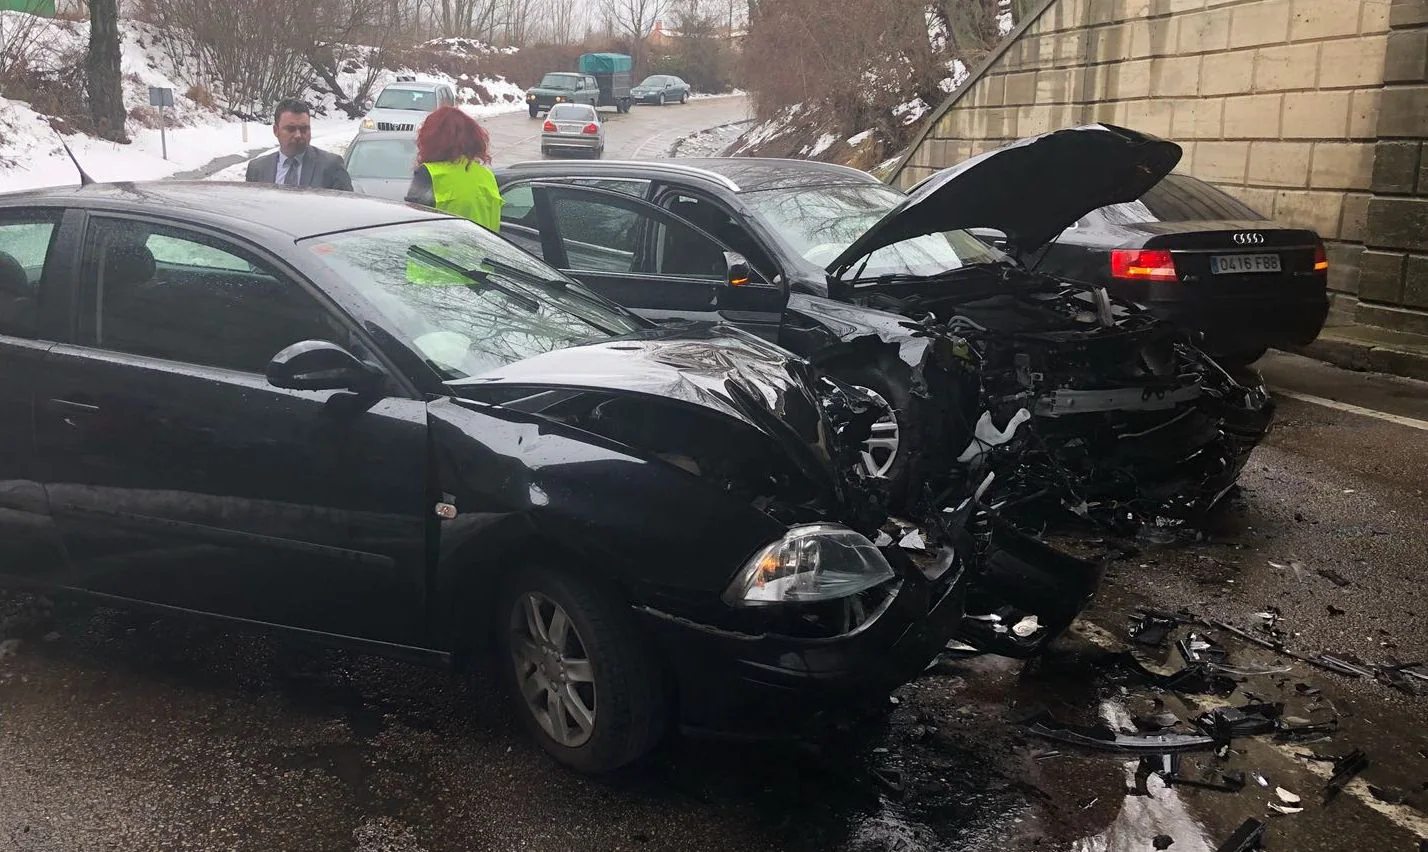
x=134 y=731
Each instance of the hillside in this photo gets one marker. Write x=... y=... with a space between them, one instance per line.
x=39 y=103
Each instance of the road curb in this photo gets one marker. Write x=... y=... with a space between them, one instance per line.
x=1367 y=357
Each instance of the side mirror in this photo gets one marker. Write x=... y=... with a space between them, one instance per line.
x=736 y=269
x=319 y=365
x=990 y=236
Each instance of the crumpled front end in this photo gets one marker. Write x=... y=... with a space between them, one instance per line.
x=1100 y=409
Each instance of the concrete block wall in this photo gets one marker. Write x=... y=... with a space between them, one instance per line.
x=1393 y=278
x=1279 y=102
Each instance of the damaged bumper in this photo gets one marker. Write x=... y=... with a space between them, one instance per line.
x=767 y=685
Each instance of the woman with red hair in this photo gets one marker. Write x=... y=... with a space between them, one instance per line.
x=453 y=153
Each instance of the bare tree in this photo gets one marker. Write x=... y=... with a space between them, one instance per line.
x=634 y=19
x=102 y=68
x=562 y=23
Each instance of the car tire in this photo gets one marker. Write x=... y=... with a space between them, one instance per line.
x=593 y=696
x=896 y=467
x=683 y=98
x=660 y=101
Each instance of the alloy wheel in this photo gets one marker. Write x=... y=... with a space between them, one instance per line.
x=879 y=452
x=553 y=670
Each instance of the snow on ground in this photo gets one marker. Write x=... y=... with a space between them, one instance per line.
x=823 y=144
x=911 y=111
x=859 y=138
x=711 y=142
x=735 y=93
x=458 y=46
x=32 y=154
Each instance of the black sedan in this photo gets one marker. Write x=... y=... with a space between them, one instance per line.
x=1077 y=400
x=1194 y=255
x=389 y=428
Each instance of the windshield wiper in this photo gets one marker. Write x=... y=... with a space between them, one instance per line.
x=476 y=276
x=539 y=280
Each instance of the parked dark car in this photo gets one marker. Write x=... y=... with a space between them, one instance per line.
x=382 y=426
x=381 y=163
x=1124 y=416
x=661 y=89
x=1196 y=256
x=562 y=87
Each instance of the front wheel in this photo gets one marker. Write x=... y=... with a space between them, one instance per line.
x=584 y=683
x=661 y=99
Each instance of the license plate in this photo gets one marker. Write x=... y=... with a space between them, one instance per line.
x=1232 y=264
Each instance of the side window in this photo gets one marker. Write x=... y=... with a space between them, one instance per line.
x=518 y=218
x=715 y=221
x=598 y=236
x=629 y=186
x=24 y=246
x=180 y=295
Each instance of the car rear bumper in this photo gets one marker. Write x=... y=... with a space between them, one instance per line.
x=1234 y=323
x=568 y=141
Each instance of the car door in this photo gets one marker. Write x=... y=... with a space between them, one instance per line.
x=179 y=476
x=32 y=260
x=648 y=259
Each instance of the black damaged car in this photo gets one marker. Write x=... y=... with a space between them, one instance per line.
x=389 y=428
x=1075 y=399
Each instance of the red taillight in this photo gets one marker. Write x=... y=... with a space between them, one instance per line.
x=548 y=127
x=591 y=129
x=1143 y=265
x=1321 y=260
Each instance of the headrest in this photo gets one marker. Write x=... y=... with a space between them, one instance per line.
x=127 y=264
x=13 y=278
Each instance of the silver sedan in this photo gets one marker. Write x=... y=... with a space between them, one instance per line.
x=573 y=127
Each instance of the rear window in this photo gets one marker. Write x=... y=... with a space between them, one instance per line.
x=571 y=112
x=1180 y=198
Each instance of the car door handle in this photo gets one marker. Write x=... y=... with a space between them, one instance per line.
x=71 y=406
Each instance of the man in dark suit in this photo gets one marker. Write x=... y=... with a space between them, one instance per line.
x=296 y=162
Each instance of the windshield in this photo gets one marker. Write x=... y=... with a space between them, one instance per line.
x=382 y=158
x=461 y=327
x=422 y=100
x=1179 y=198
x=821 y=222
x=572 y=112
x=651 y=83
x=557 y=81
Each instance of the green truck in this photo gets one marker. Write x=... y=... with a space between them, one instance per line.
x=604 y=79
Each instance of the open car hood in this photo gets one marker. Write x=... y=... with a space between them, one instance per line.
x=1031 y=189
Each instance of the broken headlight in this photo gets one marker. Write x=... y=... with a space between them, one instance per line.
x=814 y=562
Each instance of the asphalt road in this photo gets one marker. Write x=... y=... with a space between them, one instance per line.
x=131 y=731
x=645 y=132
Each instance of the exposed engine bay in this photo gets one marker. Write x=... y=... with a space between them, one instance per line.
x=1088 y=404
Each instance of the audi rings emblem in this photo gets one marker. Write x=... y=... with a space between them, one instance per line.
x=1248 y=238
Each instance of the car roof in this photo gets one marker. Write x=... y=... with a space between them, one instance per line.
x=369 y=135
x=418 y=85
x=737 y=174
x=239 y=207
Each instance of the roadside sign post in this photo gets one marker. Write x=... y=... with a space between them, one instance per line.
x=161 y=98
